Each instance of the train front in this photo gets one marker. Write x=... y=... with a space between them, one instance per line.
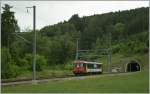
x=79 y=67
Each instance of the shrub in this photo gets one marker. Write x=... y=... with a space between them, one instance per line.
x=27 y=62
x=8 y=69
x=41 y=63
x=69 y=65
x=11 y=71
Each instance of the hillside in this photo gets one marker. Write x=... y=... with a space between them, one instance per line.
x=126 y=31
x=124 y=26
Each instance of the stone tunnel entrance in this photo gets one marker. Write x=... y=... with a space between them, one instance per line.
x=133 y=66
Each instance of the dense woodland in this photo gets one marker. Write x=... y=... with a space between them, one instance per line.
x=56 y=44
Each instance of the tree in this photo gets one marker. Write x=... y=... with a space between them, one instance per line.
x=120 y=29
x=61 y=49
x=91 y=33
x=76 y=21
x=9 y=25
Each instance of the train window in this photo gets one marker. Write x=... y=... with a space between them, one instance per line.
x=81 y=65
x=98 y=66
x=95 y=66
x=84 y=65
x=90 y=66
x=77 y=65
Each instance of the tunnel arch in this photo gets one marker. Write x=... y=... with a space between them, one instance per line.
x=133 y=66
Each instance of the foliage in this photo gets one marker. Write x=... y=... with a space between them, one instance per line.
x=124 y=32
x=27 y=62
x=8 y=69
x=76 y=21
x=9 y=25
x=61 y=49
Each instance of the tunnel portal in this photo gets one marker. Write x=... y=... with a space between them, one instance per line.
x=133 y=66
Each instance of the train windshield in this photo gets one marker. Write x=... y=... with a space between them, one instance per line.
x=79 y=65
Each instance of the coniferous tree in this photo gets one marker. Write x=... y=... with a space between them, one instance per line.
x=9 y=25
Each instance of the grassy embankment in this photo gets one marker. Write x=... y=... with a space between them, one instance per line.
x=118 y=58
x=131 y=83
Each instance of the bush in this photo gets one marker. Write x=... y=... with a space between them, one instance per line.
x=8 y=69
x=11 y=71
x=27 y=62
x=41 y=63
x=116 y=48
x=69 y=65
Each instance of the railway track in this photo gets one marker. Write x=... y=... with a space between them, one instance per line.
x=46 y=79
x=29 y=80
x=39 y=78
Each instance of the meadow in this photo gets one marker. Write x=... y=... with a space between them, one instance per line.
x=129 y=83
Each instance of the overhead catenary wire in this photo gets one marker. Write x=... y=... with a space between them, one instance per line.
x=27 y=12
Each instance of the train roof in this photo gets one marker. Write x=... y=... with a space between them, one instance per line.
x=87 y=62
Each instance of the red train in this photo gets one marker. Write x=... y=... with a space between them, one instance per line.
x=84 y=67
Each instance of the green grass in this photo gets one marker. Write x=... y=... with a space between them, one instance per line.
x=131 y=83
x=44 y=73
x=58 y=70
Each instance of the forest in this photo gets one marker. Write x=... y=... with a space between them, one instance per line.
x=56 y=44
